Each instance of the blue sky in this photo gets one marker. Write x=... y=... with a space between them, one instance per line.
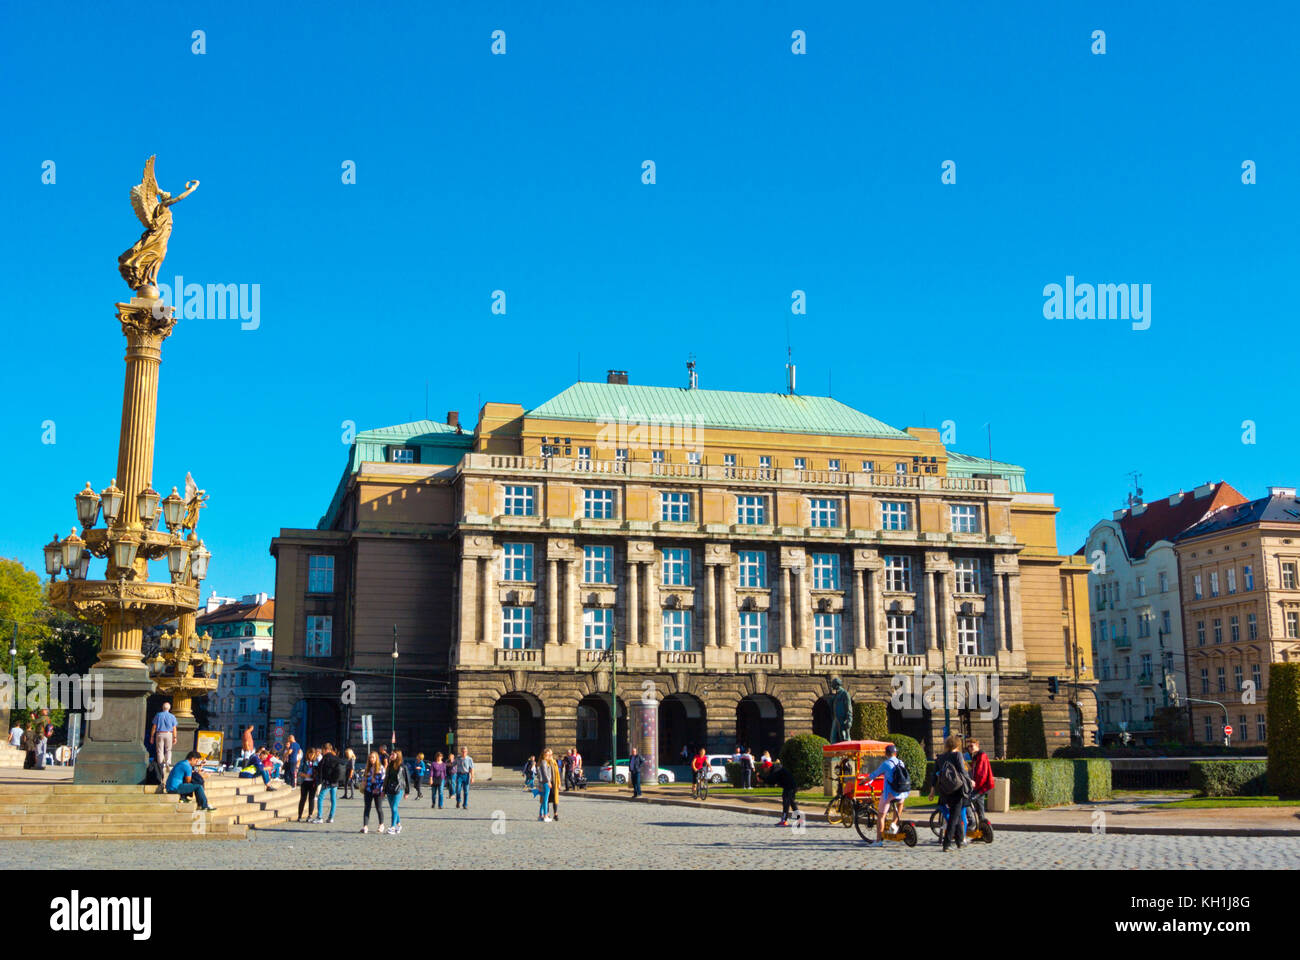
x=775 y=172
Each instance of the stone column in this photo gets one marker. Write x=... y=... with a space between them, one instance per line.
x=630 y=604
x=948 y=608
x=997 y=618
x=489 y=601
x=728 y=635
x=799 y=596
x=1014 y=613
x=931 y=621
x=572 y=610
x=653 y=618
x=552 y=601
x=468 y=604
x=859 y=611
x=787 y=634
x=710 y=608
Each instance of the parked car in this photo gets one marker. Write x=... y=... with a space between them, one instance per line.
x=621 y=773
x=718 y=766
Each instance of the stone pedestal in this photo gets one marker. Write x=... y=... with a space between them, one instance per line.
x=643 y=733
x=113 y=750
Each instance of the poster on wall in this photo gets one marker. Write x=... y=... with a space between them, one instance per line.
x=209 y=743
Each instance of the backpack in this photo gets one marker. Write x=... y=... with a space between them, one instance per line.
x=900 y=781
x=950 y=779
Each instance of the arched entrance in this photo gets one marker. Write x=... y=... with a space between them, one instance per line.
x=760 y=724
x=518 y=729
x=681 y=724
x=593 y=730
x=914 y=724
x=823 y=717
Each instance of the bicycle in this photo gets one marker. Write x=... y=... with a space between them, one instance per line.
x=896 y=828
x=842 y=810
x=700 y=787
x=981 y=830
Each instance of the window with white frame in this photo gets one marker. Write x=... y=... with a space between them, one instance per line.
x=584 y=458
x=517 y=628
x=1248 y=577
x=320 y=636
x=1288 y=576
x=900 y=468
x=832 y=464
x=826 y=571
x=868 y=466
x=598 y=504
x=800 y=463
x=898 y=633
x=728 y=459
x=401 y=455
x=765 y=463
x=519 y=502
x=1292 y=624
x=656 y=456
x=1164 y=582
x=517 y=562
x=1141 y=586
x=967 y=574
x=620 y=455
x=753 y=568
x=320 y=574
x=1232 y=579
x=970 y=635
x=964 y=518
x=898 y=572
x=675 y=507
x=751 y=509
x=1196 y=587
x=597 y=624
x=677 y=567
x=677 y=629
x=1252 y=627
x=1214 y=583
x=826 y=633
x=895 y=515
x=693 y=456
x=753 y=631
x=598 y=564
x=824 y=513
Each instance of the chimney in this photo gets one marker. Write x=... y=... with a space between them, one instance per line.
x=453 y=418
x=1282 y=492
x=616 y=376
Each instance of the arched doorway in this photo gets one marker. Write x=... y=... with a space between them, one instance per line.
x=681 y=724
x=518 y=729
x=914 y=724
x=760 y=724
x=823 y=717
x=593 y=730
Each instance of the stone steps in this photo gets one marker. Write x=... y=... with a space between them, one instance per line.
x=71 y=811
x=11 y=758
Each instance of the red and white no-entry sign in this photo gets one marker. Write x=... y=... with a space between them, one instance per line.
x=1227 y=730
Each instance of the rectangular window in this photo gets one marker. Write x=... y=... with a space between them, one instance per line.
x=598 y=564
x=1232 y=579
x=1234 y=628
x=1196 y=587
x=800 y=463
x=753 y=631
x=620 y=455
x=898 y=632
x=895 y=515
x=970 y=635
x=765 y=463
x=677 y=630
x=1288 y=576
x=517 y=628
x=1252 y=627
x=677 y=567
x=1292 y=624
x=675 y=507
x=320 y=636
x=598 y=504
x=1164 y=622
x=967 y=574
x=1218 y=630
x=1164 y=583
x=1255 y=677
x=519 y=502
x=1237 y=677
x=825 y=513
x=751 y=510
x=1200 y=633
x=753 y=569
x=1248 y=577
x=1144 y=625
x=1214 y=583
x=693 y=456
x=1261 y=728
x=656 y=456
x=826 y=571
x=728 y=459
x=1141 y=586
x=832 y=464
x=597 y=623
x=964 y=518
x=1209 y=728
x=898 y=573
x=401 y=455
x=320 y=574
x=868 y=466
x=1205 y=680
x=584 y=458
x=517 y=562
x=1221 y=679
x=900 y=468
x=826 y=633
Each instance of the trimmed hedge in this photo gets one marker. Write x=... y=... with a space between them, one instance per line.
x=1048 y=783
x=1091 y=780
x=1231 y=778
x=1284 y=729
x=1025 y=736
x=913 y=757
x=1143 y=753
x=870 y=721
x=733 y=774
x=802 y=756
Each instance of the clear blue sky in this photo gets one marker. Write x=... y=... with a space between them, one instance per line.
x=775 y=172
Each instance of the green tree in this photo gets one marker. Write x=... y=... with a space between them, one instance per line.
x=870 y=721
x=24 y=618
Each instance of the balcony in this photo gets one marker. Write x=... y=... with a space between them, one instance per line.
x=1123 y=643
x=670 y=659
x=832 y=660
x=1146 y=679
x=969 y=663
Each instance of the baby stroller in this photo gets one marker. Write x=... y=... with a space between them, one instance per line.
x=579 y=780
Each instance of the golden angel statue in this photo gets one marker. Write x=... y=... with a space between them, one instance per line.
x=195 y=500
x=139 y=265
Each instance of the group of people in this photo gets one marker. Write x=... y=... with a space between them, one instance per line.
x=33 y=738
x=542 y=777
x=962 y=779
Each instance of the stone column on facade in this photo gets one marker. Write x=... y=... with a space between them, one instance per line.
x=997 y=618
x=931 y=621
x=572 y=633
x=710 y=607
x=630 y=604
x=859 y=611
x=787 y=634
x=1014 y=612
x=468 y=604
x=800 y=594
x=552 y=601
x=488 y=600
x=948 y=588
x=653 y=615
x=727 y=638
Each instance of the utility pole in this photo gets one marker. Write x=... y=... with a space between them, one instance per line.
x=394 y=711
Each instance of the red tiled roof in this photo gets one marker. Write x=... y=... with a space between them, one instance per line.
x=1160 y=521
x=234 y=612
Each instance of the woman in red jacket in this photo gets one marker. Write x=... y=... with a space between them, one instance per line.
x=982 y=774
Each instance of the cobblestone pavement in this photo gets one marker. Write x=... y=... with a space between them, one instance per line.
x=501 y=830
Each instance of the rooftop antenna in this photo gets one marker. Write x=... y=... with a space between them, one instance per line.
x=692 y=377
x=426 y=399
x=789 y=361
x=1135 y=498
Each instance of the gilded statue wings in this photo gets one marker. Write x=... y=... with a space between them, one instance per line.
x=144 y=196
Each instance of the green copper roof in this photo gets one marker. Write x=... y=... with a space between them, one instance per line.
x=964 y=465
x=720 y=409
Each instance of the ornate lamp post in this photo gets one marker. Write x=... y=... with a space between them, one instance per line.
x=124 y=602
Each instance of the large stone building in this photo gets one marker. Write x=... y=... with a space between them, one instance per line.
x=1137 y=612
x=241 y=631
x=736 y=549
x=1241 y=611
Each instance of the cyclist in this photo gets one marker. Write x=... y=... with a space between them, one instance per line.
x=897 y=784
x=700 y=764
x=982 y=773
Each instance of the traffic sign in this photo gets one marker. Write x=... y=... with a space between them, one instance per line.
x=1227 y=730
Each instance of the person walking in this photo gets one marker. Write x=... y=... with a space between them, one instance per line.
x=746 y=769
x=634 y=764
x=307 y=783
x=349 y=772
x=329 y=769
x=419 y=769
x=292 y=761
x=464 y=778
x=162 y=734
x=16 y=736
x=547 y=774
x=372 y=791
x=397 y=784
x=779 y=776
x=952 y=783
x=437 y=776
x=577 y=767
x=530 y=774
x=29 y=748
x=548 y=760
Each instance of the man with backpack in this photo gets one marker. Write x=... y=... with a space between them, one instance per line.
x=898 y=781
x=953 y=784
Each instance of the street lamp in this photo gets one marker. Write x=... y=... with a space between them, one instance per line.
x=147 y=505
x=87 y=507
x=199 y=561
x=394 y=686
x=112 y=501
x=53 y=557
x=72 y=547
x=173 y=508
